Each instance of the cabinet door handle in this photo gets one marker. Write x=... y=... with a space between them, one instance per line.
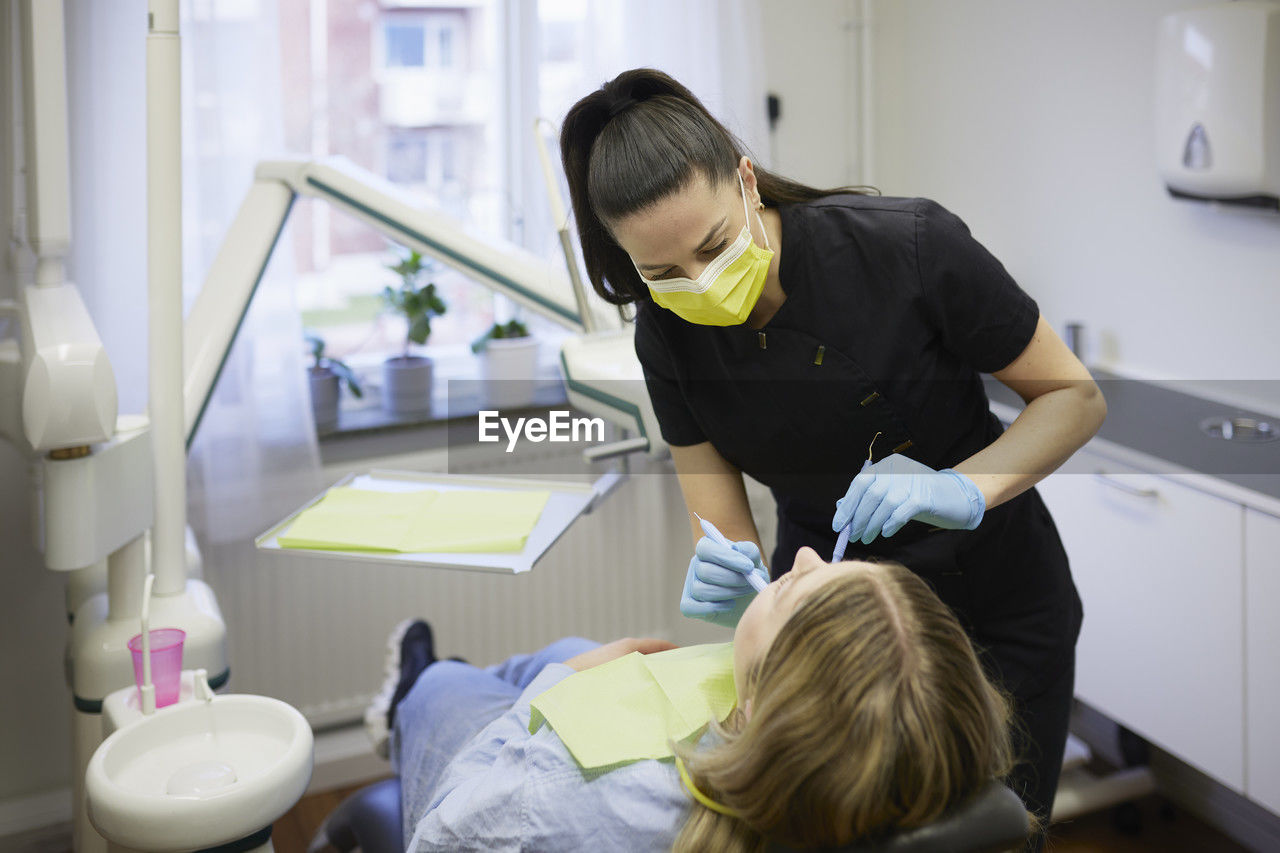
x=1103 y=477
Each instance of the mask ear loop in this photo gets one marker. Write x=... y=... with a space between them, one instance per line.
x=746 y=213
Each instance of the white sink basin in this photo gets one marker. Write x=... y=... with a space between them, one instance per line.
x=199 y=774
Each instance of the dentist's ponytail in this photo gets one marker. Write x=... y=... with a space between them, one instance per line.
x=631 y=143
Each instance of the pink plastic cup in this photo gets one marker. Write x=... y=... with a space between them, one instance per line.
x=166 y=663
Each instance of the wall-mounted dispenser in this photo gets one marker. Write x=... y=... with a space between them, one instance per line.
x=1218 y=103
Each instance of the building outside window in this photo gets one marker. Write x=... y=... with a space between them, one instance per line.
x=410 y=91
x=437 y=97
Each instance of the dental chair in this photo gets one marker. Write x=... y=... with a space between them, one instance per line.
x=993 y=821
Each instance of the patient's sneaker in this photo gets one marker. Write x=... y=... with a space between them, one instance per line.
x=410 y=650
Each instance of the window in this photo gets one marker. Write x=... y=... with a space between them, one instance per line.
x=425 y=158
x=412 y=91
x=447 y=161
x=429 y=39
x=404 y=45
x=421 y=92
x=444 y=41
x=407 y=159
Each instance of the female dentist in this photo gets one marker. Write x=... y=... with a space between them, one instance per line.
x=829 y=343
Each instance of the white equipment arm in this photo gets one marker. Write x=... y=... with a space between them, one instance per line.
x=215 y=317
x=57 y=390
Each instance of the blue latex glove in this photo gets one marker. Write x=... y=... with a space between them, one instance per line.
x=895 y=490
x=716 y=588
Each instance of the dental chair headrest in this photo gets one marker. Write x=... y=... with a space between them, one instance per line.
x=994 y=820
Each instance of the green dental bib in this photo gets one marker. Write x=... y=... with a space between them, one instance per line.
x=633 y=707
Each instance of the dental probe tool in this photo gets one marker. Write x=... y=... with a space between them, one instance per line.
x=842 y=541
x=757 y=583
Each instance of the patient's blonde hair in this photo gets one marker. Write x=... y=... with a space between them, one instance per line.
x=870 y=715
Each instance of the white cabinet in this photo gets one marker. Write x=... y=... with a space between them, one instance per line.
x=1262 y=657
x=1158 y=566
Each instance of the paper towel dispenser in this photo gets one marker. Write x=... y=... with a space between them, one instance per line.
x=1218 y=103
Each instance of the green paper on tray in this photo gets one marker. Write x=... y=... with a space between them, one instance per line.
x=633 y=707
x=425 y=520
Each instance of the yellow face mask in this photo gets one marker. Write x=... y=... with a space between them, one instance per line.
x=727 y=289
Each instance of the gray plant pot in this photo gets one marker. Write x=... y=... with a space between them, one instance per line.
x=324 y=397
x=406 y=384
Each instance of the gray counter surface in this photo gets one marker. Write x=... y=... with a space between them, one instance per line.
x=1166 y=424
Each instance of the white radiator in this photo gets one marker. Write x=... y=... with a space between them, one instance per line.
x=312 y=631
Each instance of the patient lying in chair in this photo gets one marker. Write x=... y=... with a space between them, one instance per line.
x=861 y=710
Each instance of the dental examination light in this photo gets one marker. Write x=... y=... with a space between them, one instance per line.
x=601 y=373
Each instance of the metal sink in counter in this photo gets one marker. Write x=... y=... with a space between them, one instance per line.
x=1237 y=428
x=1191 y=433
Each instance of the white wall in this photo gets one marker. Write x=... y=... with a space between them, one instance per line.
x=35 y=716
x=1033 y=122
x=810 y=62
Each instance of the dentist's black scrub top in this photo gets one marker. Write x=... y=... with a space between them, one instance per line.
x=893 y=310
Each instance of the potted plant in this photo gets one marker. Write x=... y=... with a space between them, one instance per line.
x=406 y=385
x=325 y=375
x=508 y=363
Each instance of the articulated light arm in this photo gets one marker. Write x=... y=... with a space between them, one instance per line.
x=214 y=320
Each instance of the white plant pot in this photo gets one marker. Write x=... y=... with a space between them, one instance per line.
x=509 y=367
x=324 y=397
x=406 y=384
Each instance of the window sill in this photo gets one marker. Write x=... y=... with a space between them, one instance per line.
x=366 y=430
x=457 y=393
x=369 y=417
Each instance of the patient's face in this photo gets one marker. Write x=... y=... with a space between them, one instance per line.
x=770 y=609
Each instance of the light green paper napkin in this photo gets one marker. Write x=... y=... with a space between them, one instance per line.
x=351 y=519
x=485 y=521
x=455 y=521
x=630 y=708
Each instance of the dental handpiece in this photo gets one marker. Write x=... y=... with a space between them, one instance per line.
x=757 y=583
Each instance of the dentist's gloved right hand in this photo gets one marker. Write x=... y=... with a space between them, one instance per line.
x=716 y=588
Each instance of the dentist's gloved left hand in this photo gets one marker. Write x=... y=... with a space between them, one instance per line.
x=716 y=588
x=897 y=489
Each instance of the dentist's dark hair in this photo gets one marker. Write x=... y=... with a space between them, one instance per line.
x=631 y=143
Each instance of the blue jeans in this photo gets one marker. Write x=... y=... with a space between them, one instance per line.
x=450 y=703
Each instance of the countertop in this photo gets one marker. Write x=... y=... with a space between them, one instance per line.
x=1164 y=426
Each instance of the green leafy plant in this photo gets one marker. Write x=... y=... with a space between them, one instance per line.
x=414 y=298
x=498 y=331
x=338 y=368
